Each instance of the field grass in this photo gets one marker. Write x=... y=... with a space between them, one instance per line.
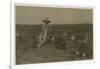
x=77 y=49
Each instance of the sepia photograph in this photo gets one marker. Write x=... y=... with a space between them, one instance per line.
x=53 y=34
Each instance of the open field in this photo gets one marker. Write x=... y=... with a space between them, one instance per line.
x=73 y=42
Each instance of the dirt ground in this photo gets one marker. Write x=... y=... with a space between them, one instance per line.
x=27 y=53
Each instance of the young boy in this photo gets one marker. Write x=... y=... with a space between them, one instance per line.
x=43 y=36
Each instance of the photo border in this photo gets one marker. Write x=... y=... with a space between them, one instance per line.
x=13 y=38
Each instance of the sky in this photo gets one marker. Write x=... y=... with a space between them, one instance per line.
x=35 y=15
